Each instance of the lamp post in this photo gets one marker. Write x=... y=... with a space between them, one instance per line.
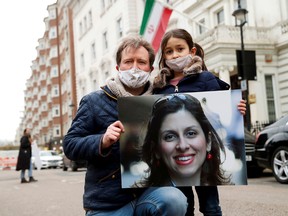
x=240 y=21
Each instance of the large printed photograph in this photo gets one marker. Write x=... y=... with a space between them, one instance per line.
x=182 y=139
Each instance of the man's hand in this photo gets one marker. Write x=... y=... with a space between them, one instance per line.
x=112 y=134
x=242 y=107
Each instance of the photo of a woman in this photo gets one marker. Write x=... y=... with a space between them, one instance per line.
x=181 y=147
x=182 y=139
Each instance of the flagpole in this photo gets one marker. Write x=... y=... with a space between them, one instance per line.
x=183 y=14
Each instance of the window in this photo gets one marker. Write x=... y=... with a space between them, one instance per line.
x=93 y=52
x=85 y=24
x=42 y=45
x=35 y=104
x=43 y=75
x=56 y=112
x=43 y=107
x=94 y=84
x=54 y=72
x=44 y=123
x=53 y=52
x=43 y=91
x=82 y=61
x=201 y=25
x=80 y=29
x=52 y=14
x=103 y=6
x=42 y=60
x=105 y=41
x=270 y=97
x=120 y=27
x=220 y=17
x=106 y=75
x=90 y=18
x=52 y=33
x=56 y=131
x=55 y=91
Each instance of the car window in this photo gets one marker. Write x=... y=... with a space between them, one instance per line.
x=280 y=122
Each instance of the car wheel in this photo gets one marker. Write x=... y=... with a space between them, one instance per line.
x=280 y=164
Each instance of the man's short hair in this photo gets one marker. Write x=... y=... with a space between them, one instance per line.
x=135 y=42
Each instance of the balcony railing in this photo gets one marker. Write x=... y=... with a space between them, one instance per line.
x=253 y=36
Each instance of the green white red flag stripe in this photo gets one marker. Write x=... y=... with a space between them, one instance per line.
x=154 y=22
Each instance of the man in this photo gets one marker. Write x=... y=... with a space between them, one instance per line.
x=94 y=136
x=24 y=157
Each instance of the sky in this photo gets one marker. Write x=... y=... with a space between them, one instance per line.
x=22 y=24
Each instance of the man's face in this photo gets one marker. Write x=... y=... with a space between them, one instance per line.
x=135 y=58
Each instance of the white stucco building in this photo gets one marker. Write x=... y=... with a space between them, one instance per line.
x=99 y=27
x=266 y=33
x=211 y=24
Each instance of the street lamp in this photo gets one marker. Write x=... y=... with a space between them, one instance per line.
x=240 y=21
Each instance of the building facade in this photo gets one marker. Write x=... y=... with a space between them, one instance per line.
x=212 y=26
x=50 y=92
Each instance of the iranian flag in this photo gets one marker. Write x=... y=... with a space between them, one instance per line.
x=154 y=22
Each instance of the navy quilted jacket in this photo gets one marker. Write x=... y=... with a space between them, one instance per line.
x=204 y=81
x=96 y=112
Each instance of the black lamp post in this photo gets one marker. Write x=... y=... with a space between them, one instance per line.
x=240 y=21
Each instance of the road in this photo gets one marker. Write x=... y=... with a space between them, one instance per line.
x=60 y=193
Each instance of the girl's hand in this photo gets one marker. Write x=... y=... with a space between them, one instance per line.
x=112 y=134
x=242 y=107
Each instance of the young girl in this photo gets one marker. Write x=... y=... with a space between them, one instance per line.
x=181 y=70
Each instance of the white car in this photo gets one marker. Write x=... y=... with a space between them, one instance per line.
x=48 y=159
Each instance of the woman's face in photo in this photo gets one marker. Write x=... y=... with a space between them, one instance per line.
x=183 y=144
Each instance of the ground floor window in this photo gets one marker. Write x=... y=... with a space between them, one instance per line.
x=270 y=97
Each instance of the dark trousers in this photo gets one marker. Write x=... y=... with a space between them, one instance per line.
x=208 y=200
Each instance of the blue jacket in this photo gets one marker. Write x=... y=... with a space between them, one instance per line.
x=204 y=81
x=96 y=112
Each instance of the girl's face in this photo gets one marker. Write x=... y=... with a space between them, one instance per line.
x=183 y=145
x=177 y=47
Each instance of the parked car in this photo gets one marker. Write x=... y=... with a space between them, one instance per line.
x=49 y=159
x=271 y=149
x=74 y=165
x=253 y=169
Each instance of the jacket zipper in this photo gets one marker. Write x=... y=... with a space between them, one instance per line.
x=176 y=88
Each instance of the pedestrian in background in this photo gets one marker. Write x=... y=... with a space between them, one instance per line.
x=24 y=157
